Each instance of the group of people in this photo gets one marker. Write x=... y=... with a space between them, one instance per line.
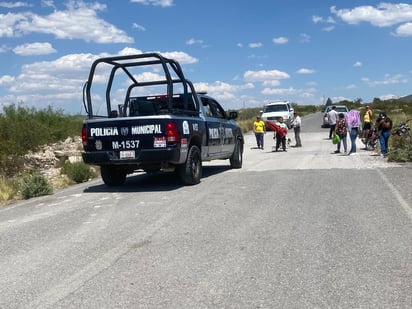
x=280 y=130
x=342 y=124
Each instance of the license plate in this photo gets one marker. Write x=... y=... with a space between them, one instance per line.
x=127 y=154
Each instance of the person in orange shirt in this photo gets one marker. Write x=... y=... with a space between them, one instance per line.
x=259 y=128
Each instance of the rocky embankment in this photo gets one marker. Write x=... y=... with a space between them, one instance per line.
x=50 y=158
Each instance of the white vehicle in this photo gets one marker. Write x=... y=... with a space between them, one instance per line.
x=274 y=110
x=339 y=109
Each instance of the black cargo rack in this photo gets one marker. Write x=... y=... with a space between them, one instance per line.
x=124 y=63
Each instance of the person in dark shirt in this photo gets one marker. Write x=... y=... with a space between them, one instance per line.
x=384 y=125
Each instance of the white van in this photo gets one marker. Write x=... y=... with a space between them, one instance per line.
x=272 y=111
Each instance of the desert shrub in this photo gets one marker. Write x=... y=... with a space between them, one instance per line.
x=78 y=171
x=32 y=185
x=401 y=149
x=7 y=189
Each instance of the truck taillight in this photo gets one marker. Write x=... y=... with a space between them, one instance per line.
x=84 y=136
x=172 y=134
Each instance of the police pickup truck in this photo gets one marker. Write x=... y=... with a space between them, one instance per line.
x=143 y=114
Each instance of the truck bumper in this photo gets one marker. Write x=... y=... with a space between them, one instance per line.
x=141 y=157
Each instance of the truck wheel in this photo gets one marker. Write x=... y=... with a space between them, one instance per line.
x=112 y=176
x=236 y=159
x=191 y=171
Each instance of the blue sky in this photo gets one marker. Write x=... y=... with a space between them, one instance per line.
x=244 y=53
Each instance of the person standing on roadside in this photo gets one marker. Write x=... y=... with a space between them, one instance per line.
x=354 y=123
x=332 y=117
x=367 y=122
x=297 y=123
x=384 y=125
x=259 y=128
x=342 y=131
x=281 y=134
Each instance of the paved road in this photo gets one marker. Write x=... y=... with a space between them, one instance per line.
x=301 y=229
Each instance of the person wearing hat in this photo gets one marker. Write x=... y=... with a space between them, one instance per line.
x=259 y=128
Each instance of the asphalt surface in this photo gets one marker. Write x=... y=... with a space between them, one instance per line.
x=304 y=228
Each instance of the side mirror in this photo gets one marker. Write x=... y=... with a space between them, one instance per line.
x=233 y=115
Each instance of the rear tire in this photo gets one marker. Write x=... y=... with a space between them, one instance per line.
x=236 y=159
x=190 y=172
x=113 y=176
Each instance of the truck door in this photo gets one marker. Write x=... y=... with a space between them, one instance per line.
x=226 y=130
x=214 y=128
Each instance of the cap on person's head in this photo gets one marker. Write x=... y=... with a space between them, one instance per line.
x=333 y=107
x=257 y=116
x=367 y=106
x=382 y=115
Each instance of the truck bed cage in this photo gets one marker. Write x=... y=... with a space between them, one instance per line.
x=173 y=74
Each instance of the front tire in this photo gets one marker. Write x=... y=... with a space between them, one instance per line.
x=113 y=176
x=236 y=158
x=190 y=172
x=371 y=144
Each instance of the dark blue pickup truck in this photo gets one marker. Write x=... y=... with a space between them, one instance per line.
x=151 y=118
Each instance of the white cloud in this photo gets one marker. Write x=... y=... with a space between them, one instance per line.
x=280 y=40
x=271 y=83
x=78 y=21
x=320 y=20
x=330 y=22
x=222 y=91
x=263 y=75
x=31 y=49
x=162 y=3
x=404 y=30
x=357 y=64
x=255 y=45
x=139 y=27
x=389 y=96
x=388 y=80
x=305 y=71
x=12 y=5
x=279 y=91
x=180 y=57
x=48 y=3
x=8 y=22
x=6 y=79
x=328 y=28
x=193 y=41
x=129 y=51
x=383 y=15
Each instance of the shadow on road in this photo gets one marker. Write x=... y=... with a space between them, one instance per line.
x=154 y=182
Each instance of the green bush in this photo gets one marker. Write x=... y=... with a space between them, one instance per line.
x=23 y=129
x=78 y=172
x=32 y=185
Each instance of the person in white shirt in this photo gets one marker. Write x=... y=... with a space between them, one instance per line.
x=332 y=117
x=297 y=122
